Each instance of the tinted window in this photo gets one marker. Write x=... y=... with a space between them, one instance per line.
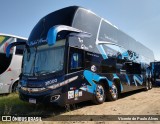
x=133 y=68
x=4 y=62
x=88 y=22
x=137 y=68
x=110 y=33
x=59 y=17
x=120 y=66
x=107 y=32
x=157 y=67
x=75 y=60
x=129 y=67
x=20 y=48
x=108 y=65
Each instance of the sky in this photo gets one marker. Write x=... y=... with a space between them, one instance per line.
x=138 y=18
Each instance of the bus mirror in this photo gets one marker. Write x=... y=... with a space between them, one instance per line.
x=51 y=36
x=12 y=45
x=8 y=50
x=52 y=33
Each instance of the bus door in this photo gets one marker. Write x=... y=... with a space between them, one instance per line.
x=75 y=72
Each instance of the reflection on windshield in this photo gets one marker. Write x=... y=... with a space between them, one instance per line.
x=44 y=59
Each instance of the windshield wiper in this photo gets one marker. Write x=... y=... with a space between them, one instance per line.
x=27 y=74
x=42 y=72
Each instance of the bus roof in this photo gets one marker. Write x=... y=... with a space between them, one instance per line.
x=86 y=20
x=10 y=35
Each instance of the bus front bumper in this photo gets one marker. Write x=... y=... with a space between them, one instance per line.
x=55 y=97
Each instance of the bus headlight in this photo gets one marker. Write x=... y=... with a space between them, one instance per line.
x=33 y=89
x=54 y=98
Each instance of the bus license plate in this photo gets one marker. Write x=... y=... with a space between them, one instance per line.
x=31 y=100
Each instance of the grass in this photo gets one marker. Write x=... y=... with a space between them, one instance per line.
x=12 y=105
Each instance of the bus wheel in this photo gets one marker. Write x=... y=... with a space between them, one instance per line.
x=150 y=85
x=146 y=86
x=112 y=94
x=100 y=94
x=15 y=87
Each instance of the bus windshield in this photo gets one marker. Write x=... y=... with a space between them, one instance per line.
x=44 y=59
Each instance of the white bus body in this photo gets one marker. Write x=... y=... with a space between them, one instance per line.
x=10 y=68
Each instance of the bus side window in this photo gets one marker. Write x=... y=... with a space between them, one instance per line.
x=76 y=61
x=137 y=68
x=108 y=65
x=20 y=48
x=129 y=67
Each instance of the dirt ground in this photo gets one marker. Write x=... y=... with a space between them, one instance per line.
x=133 y=103
x=145 y=103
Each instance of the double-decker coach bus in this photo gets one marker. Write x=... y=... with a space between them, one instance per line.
x=73 y=55
x=10 y=68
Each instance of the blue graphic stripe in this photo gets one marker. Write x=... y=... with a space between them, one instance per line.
x=128 y=81
x=88 y=75
x=51 y=36
x=121 y=87
x=91 y=77
x=138 y=79
x=102 y=51
x=115 y=76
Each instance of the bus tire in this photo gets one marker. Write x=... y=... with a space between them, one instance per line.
x=100 y=94
x=150 y=84
x=14 y=87
x=112 y=93
x=146 y=85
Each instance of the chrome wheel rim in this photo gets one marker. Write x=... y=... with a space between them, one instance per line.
x=114 y=91
x=100 y=93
